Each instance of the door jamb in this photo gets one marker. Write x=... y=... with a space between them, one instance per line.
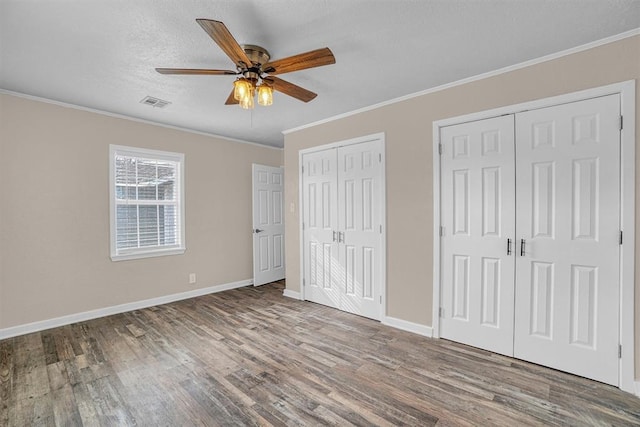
x=383 y=241
x=626 y=90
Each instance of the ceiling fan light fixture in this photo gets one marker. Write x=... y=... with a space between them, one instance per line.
x=241 y=89
x=265 y=94
x=255 y=71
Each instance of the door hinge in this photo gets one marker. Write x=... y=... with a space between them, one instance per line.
x=303 y=225
x=621 y=122
x=304 y=282
x=620 y=351
x=441 y=231
x=302 y=168
x=620 y=236
x=441 y=312
x=380 y=228
x=380 y=299
x=380 y=157
x=439 y=148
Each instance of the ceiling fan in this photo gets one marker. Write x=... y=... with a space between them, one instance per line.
x=255 y=70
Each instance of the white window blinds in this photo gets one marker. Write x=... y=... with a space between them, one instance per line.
x=146 y=203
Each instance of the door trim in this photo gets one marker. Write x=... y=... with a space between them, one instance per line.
x=626 y=90
x=383 y=267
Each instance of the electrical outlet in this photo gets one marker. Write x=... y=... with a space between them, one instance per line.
x=192 y=278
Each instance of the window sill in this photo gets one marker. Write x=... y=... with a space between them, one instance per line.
x=149 y=254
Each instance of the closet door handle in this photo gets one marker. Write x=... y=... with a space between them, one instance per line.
x=508 y=246
x=334 y=235
x=522 y=243
x=340 y=236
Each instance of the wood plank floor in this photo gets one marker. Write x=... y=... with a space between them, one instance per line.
x=252 y=357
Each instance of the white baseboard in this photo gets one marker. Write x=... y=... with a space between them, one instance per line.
x=405 y=325
x=122 y=308
x=637 y=388
x=292 y=294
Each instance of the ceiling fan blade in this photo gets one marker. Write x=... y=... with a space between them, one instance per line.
x=221 y=35
x=314 y=58
x=195 y=71
x=290 y=89
x=231 y=100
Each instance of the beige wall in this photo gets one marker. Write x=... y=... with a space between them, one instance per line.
x=408 y=129
x=54 y=212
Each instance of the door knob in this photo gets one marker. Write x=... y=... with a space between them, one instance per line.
x=522 y=243
x=257 y=230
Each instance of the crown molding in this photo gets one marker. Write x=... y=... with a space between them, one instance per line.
x=130 y=118
x=546 y=58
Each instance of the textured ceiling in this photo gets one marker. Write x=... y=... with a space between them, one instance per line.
x=101 y=54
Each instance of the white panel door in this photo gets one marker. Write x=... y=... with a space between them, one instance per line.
x=343 y=203
x=320 y=219
x=478 y=214
x=360 y=227
x=268 y=224
x=568 y=216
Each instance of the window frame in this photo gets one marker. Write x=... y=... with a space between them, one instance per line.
x=155 y=251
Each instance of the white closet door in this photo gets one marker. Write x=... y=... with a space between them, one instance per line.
x=320 y=198
x=360 y=220
x=268 y=224
x=478 y=213
x=567 y=297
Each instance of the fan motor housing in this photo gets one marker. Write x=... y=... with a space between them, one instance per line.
x=257 y=54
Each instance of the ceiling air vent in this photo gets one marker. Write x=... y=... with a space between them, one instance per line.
x=154 y=102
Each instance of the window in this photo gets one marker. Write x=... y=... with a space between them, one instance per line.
x=147 y=209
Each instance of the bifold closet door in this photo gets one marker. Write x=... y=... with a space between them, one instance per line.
x=320 y=219
x=478 y=218
x=342 y=227
x=568 y=219
x=360 y=227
